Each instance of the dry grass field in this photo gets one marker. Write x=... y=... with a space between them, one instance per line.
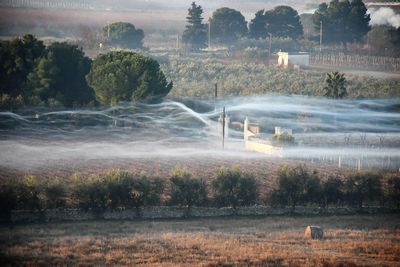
x=364 y=240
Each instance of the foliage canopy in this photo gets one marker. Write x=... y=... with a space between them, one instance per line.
x=195 y=35
x=282 y=21
x=124 y=34
x=342 y=21
x=335 y=85
x=186 y=190
x=227 y=25
x=34 y=73
x=127 y=76
x=234 y=188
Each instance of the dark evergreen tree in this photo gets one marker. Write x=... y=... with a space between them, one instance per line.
x=342 y=21
x=123 y=34
x=61 y=76
x=358 y=21
x=127 y=76
x=257 y=25
x=227 y=25
x=195 y=35
x=18 y=58
x=282 y=21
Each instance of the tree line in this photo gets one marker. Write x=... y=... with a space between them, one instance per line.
x=230 y=187
x=61 y=75
x=343 y=22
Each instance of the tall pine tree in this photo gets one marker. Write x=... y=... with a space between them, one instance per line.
x=343 y=21
x=195 y=35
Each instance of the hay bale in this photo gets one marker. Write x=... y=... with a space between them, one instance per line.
x=314 y=232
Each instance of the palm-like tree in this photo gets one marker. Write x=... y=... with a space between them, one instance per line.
x=335 y=85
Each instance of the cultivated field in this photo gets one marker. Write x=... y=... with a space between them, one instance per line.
x=363 y=240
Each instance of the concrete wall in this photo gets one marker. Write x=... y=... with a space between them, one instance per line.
x=251 y=143
x=263 y=148
x=284 y=59
x=300 y=60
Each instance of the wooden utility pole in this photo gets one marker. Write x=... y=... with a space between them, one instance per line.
x=108 y=30
x=320 y=38
x=270 y=46
x=215 y=96
x=223 y=127
x=209 y=34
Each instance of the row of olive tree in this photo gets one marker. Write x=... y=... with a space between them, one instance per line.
x=298 y=186
x=229 y=188
x=61 y=75
x=119 y=189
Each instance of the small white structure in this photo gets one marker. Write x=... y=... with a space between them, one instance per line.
x=283 y=131
x=286 y=59
x=255 y=141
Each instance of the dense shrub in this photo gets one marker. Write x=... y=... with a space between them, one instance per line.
x=8 y=201
x=30 y=194
x=392 y=191
x=362 y=186
x=55 y=194
x=234 y=188
x=332 y=191
x=90 y=193
x=186 y=190
x=291 y=186
x=117 y=189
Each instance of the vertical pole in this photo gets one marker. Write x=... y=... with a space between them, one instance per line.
x=270 y=46
x=209 y=34
x=215 y=96
x=108 y=31
x=320 y=38
x=340 y=162
x=223 y=127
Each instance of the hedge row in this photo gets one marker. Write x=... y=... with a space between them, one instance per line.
x=229 y=187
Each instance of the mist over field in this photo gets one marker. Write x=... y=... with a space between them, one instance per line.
x=190 y=129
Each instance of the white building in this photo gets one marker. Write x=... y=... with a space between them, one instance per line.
x=286 y=59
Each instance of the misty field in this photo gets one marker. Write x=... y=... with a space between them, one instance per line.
x=362 y=240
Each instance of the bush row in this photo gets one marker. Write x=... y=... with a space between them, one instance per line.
x=229 y=187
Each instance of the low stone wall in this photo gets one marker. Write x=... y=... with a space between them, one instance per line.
x=166 y=212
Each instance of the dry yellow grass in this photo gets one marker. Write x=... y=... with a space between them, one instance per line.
x=372 y=240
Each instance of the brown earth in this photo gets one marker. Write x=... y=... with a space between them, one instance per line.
x=363 y=240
